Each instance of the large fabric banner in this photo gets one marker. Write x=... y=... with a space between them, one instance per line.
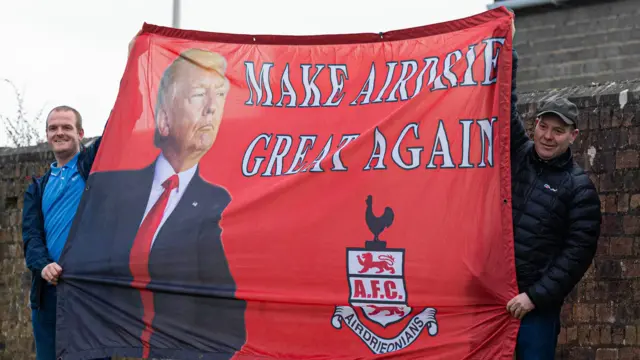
x=300 y=197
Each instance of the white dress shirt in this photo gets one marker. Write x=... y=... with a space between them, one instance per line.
x=162 y=172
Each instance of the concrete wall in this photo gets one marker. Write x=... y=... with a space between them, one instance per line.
x=601 y=319
x=578 y=43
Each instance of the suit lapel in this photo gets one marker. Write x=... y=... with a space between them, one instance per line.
x=134 y=204
x=177 y=240
x=184 y=211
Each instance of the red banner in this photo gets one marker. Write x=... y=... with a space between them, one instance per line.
x=300 y=197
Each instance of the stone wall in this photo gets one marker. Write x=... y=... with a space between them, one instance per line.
x=577 y=43
x=601 y=319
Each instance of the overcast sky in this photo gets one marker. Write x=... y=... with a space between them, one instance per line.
x=74 y=51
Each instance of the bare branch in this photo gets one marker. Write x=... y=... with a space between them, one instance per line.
x=20 y=129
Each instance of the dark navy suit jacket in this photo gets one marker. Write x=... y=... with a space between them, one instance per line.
x=194 y=292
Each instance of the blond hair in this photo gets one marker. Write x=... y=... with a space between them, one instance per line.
x=203 y=59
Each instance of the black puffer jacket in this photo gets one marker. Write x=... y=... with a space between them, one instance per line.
x=556 y=217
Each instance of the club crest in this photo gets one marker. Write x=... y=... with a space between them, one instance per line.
x=376 y=284
x=377 y=287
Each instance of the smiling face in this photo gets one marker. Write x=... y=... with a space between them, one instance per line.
x=63 y=134
x=192 y=105
x=552 y=136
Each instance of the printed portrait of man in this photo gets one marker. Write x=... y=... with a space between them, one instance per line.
x=155 y=232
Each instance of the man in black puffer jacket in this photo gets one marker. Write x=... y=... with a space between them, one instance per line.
x=556 y=222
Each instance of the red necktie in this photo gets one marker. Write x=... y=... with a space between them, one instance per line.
x=139 y=258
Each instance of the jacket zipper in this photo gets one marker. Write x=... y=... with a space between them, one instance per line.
x=533 y=184
x=529 y=192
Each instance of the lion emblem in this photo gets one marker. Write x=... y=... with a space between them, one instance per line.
x=384 y=263
x=391 y=310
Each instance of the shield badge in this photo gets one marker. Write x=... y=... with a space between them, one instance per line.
x=377 y=284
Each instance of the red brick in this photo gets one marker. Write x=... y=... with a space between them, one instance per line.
x=562 y=337
x=611 y=181
x=588 y=335
x=627 y=117
x=630 y=335
x=617 y=335
x=629 y=353
x=627 y=159
x=621 y=246
x=610 y=138
x=611 y=225
x=605 y=117
x=605 y=335
x=608 y=203
x=604 y=313
x=566 y=315
x=634 y=136
x=572 y=334
x=604 y=162
x=635 y=201
x=603 y=246
x=623 y=202
x=587 y=290
x=617 y=118
x=631 y=225
x=583 y=335
x=608 y=269
x=594 y=334
x=630 y=180
x=618 y=290
x=607 y=354
x=5 y=235
x=583 y=313
x=580 y=353
x=636 y=290
x=630 y=268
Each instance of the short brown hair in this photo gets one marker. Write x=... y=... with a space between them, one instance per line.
x=68 y=108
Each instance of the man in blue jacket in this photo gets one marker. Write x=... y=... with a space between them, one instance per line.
x=50 y=205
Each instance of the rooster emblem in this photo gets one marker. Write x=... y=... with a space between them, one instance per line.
x=377 y=224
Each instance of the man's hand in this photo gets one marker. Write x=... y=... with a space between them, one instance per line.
x=519 y=306
x=51 y=273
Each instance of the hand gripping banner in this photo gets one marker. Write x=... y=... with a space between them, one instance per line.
x=300 y=197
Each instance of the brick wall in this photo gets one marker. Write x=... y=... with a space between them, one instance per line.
x=16 y=341
x=578 y=43
x=601 y=319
